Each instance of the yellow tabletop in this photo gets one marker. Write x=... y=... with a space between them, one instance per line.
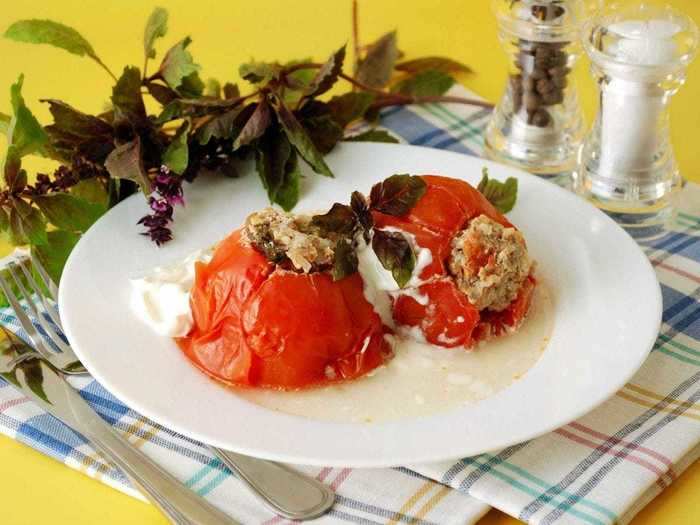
x=36 y=489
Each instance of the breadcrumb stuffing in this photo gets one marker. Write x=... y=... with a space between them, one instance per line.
x=285 y=236
x=489 y=263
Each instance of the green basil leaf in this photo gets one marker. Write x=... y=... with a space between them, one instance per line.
x=344 y=260
x=259 y=72
x=126 y=162
x=339 y=219
x=156 y=27
x=397 y=195
x=25 y=132
x=300 y=140
x=255 y=126
x=54 y=34
x=350 y=106
x=178 y=64
x=446 y=65
x=27 y=224
x=68 y=212
x=396 y=255
x=501 y=194
x=54 y=254
x=192 y=86
x=92 y=190
x=176 y=156
x=4 y=220
x=287 y=194
x=375 y=68
x=4 y=122
x=373 y=135
x=327 y=75
x=212 y=88
x=425 y=84
x=277 y=166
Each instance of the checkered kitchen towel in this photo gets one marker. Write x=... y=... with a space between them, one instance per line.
x=600 y=469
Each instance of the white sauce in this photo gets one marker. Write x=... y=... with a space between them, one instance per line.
x=423 y=380
x=161 y=299
x=380 y=286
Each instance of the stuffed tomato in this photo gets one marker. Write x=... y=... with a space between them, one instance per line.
x=267 y=312
x=478 y=283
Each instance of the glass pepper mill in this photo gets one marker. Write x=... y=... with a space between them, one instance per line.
x=538 y=124
x=639 y=54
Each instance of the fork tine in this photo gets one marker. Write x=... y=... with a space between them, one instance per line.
x=50 y=308
x=24 y=319
x=50 y=332
x=44 y=276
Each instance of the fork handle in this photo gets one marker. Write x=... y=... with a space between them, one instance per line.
x=180 y=504
x=286 y=492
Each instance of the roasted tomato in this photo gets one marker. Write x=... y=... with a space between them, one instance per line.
x=258 y=325
x=438 y=308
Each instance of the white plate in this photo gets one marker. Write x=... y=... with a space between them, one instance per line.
x=607 y=313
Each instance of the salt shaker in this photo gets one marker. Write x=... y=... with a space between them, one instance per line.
x=538 y=125
x=639 y=54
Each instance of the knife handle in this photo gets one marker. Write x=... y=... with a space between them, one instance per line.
x=180 y=504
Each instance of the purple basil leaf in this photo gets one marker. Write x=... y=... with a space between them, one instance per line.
x=376 y=67
x=126 y=162
x=344 y=259
x=397 y=194
x=358 y=203
x=299 y=139
x=163 y=94
x=126 y=97
x=328 y=74
x=396 y=255
x=339 y=219
x=231 y=91
x=255 y=125
x=226 y=125
x=69 y=120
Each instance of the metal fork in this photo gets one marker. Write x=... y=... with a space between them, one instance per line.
x=283 y=490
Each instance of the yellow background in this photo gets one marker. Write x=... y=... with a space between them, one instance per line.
x=35 y=489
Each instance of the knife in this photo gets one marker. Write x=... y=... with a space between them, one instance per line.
x=30 y=373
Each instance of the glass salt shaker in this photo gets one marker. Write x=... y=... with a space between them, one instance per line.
x=639 y=53
x=538 y=124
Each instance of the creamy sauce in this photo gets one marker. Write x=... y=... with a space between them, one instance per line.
x=422 y=379
x=161 y=299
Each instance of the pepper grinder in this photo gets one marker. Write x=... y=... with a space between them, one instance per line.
x=639 y=54
x=538 y=124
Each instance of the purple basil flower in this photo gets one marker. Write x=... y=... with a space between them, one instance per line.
x=167 y=192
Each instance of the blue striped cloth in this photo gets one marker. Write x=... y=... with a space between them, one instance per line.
x=600 y=469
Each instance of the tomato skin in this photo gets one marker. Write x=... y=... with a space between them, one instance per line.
x=445 y=209
x=255 y=325
x=447 y=319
